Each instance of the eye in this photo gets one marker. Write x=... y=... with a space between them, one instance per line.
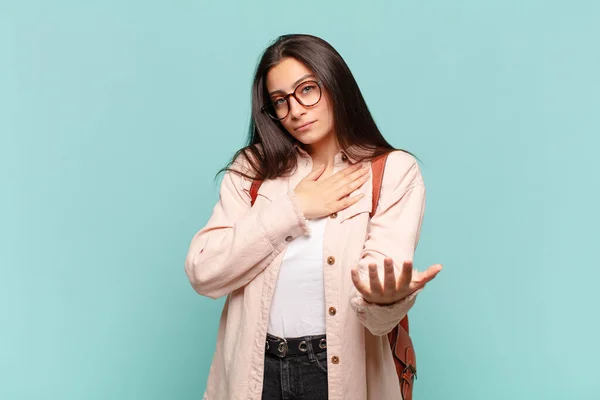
x=279 y=102
x=309 y=87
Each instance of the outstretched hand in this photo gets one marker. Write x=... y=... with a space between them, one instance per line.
x=393 y=289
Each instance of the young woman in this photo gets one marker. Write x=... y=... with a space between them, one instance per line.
x=313 y=282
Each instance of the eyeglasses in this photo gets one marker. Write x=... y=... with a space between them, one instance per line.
x=307 y=93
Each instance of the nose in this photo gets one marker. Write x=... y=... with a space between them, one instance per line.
x=296 y=109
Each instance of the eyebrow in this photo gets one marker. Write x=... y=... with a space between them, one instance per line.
x=293 y=85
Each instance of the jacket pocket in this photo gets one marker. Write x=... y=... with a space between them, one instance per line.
x=361 y=207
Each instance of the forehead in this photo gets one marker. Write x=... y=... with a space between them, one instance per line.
x=285 y=74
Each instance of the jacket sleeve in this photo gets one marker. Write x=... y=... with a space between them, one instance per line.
x=240 y=241
x=393 y=232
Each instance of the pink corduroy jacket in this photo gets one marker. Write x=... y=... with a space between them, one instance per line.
x=238 y=254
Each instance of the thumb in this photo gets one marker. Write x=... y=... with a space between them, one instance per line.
x=314 y=175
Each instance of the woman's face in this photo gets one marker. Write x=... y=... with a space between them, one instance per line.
x=309 y=125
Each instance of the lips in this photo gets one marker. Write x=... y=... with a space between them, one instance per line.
x=305 y=126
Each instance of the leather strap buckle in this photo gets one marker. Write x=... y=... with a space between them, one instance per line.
x=409 y=371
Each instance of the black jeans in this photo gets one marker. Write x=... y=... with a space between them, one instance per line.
x=301 y=377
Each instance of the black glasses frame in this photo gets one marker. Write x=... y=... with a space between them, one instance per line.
x=287 y=96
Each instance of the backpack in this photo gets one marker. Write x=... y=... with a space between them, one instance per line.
x=399 y=338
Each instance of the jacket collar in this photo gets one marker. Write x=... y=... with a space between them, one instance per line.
x=339 y=157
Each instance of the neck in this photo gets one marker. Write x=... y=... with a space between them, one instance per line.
x=323 y=152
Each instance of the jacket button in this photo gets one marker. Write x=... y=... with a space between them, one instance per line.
x=330 y=260
x=334 y=215
x=289 y=238
x=332 y=310
x=335 y=359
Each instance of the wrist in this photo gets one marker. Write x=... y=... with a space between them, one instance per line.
x=299 y=202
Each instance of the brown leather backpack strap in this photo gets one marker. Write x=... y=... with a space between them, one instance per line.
x=409 y=372
x=254 y=190
x=377 y=167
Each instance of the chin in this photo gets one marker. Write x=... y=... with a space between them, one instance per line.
x=309 y=138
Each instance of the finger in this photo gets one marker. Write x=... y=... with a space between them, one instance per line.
x=316 y=173
x=406 y=274
x=335 y=178
x=343 y=181
x=359 y=284
x=352 y=186
x=427 y=275
x=374 y=280
x=348 y=201
x=389 y=281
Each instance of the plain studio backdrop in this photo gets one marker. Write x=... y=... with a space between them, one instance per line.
x=115 y=117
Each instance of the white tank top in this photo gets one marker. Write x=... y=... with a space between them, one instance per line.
x=298 y=305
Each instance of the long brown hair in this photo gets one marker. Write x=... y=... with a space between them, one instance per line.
x=270 y=150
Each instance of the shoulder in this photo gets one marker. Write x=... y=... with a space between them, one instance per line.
x=402 y=171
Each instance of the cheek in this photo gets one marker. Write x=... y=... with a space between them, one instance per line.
x=287 y=125
x=326 y=114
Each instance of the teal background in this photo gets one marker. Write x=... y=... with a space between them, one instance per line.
x=115 y=116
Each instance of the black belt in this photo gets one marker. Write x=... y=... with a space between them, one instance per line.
x=294 y=346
